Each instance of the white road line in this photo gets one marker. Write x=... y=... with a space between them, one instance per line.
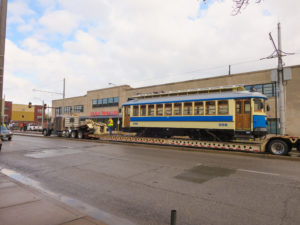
x=259 y=172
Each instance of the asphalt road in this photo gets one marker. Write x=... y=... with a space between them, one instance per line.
x=137 y=184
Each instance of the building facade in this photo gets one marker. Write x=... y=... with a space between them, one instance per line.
x=20 y=113
x=104 y=103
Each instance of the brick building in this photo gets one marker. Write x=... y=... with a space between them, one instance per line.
x=20 y=113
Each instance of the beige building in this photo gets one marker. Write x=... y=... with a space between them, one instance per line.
x=104 y=103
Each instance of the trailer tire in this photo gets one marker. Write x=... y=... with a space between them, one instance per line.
x=278 y=147
x=80 y=134
x=45 y=132
x=73 y=134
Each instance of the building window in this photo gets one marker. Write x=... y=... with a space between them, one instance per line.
x=105 y=102
x=39 y=111
x=266 y=89
x=68 y=109
x=273 y=126
x=78 y=108
x=58 y=111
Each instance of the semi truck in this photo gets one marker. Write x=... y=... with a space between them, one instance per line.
x=74 y=127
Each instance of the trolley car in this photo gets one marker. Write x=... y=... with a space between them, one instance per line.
x=204 y=114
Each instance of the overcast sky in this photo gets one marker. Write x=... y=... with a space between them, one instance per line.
x=92 y=43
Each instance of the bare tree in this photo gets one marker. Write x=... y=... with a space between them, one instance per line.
x=240 y=4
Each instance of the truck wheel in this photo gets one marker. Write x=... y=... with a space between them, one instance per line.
x=278 y=147
x=67 y=134
x=80 y=135
x=73 y=134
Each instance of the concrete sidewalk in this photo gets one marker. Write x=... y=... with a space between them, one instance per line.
x=20 y=204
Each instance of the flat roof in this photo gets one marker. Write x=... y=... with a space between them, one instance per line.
x=197 y=97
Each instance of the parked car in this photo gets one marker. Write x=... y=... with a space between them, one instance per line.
x=32 y=127
x=5 y=133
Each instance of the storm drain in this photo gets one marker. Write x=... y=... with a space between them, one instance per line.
x=201 y=174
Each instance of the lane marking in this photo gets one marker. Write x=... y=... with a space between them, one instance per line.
x=259 y=172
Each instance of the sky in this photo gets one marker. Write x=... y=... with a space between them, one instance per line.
x=96 y=44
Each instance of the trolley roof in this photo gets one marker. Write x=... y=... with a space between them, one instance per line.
x=197 y=97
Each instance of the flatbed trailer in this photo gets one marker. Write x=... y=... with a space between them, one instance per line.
x=277 y=145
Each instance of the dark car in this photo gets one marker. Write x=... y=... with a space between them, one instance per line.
x=5 y=133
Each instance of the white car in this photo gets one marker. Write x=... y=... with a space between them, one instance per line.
x=34 y=128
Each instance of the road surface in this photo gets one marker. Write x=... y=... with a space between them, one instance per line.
x=138 y=184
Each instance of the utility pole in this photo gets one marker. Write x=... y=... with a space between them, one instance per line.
x=3 y=13
x=281 y=87
x=278 y=53
x=43 y=108
x=64 y=95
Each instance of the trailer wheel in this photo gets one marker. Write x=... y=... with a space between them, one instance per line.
x=73 y=134
x=80 y=135
x=278 y=147
x=45 y=132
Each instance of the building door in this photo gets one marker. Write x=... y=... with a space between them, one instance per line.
x=243 y=114
x=127 y=116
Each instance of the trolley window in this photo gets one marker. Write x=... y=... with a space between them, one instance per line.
x=247 y=106
x=159 y=109
x=143 y=110
x=177 y=109
x=210 y=108
x=259 y=105
x=188 y=108
x=127 y=110
x=199 y=109
x=238 y=107
x=223 y=107
x=135 y=110
x=168 y=109
x=150 y=110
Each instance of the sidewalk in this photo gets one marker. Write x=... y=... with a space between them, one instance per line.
x=20 y=204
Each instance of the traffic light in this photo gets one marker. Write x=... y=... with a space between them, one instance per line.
x=29 y=105
x=45 y=106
